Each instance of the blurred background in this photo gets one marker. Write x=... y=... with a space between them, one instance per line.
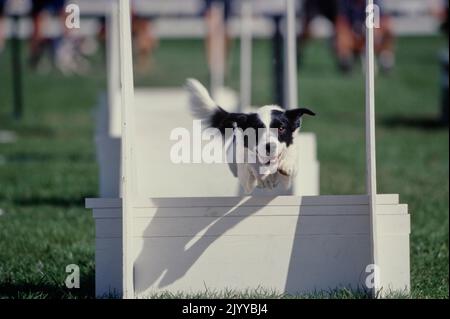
x=51 y=79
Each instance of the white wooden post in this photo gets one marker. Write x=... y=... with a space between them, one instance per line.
x=127 y=90
x=290 y=65
x=217 y=58
x=371 y=179
x=113 y=62
x=246 y=55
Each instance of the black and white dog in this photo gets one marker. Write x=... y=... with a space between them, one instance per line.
x=274 y=146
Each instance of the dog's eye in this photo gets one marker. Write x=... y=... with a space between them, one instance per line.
x=281 y=130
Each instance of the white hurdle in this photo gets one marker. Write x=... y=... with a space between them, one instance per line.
x=128 y=189
x=371 y=171
x=291 y=244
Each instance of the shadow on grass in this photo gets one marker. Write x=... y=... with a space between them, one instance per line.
x=425 y=123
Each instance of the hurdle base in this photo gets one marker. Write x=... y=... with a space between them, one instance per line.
x=288 y=244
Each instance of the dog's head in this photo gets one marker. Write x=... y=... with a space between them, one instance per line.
x=268 y=132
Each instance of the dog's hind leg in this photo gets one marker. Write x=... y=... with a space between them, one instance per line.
x=246 y=178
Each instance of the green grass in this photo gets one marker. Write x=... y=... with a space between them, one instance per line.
x=47 y=173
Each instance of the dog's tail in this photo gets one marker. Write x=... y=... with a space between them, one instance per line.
x=201 y=104
x=203 y=107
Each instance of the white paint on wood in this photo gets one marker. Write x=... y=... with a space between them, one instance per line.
x=254 y=224
x=110 y=170
x=128 y=191
x=322 y=200
x=271 y=210
x=113 y=70
x=302 y=249
x=371 y=182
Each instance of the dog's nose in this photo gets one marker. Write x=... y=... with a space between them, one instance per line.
x=271 y=148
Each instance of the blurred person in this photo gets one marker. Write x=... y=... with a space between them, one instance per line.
x=39 y=8
x=144 y=39
x=213 y=27
x=2 y=24
x=308 y=11
x=68 y=51
x=350 y=35
x=144 y=42
x=439 y=10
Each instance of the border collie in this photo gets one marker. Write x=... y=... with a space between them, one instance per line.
x=271 y=156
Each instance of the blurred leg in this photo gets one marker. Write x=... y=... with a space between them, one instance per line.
x=214 y=29
x=145 y=42
x=36 y=41
x=384 y=45
x=2 y=35
x=302 y=39
x=2 y=25
x=345 y=44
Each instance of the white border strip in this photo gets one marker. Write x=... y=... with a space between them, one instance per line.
x=322 y=200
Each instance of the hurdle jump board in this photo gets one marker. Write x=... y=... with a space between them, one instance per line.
x=157 y=112
x=289 y=244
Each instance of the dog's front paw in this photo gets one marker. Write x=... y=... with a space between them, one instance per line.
x=286 y=172
x=288 y=165
x=287 y=169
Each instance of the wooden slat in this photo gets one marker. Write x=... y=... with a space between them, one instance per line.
x=323 y=200
x=221 y=211
x=255 y=226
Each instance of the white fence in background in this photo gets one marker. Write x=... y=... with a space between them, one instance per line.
x=410 y=17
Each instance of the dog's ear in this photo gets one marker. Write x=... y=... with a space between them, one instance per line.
x=294 y=116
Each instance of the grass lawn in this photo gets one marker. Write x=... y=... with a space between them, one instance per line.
x=46 y=174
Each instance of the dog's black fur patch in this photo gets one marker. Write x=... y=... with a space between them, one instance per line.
x=222 y=120
x=286 y=122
